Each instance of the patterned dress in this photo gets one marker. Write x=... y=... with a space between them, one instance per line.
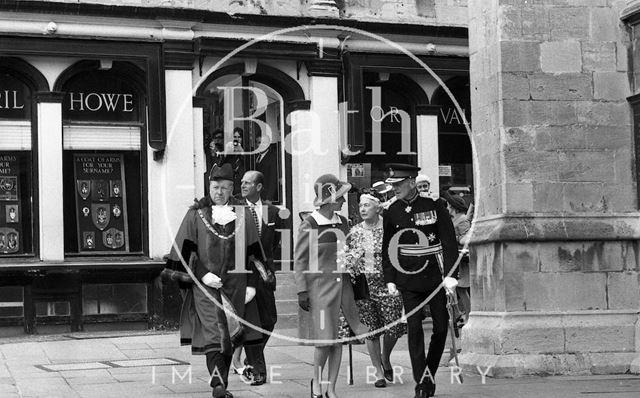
x=363 y=255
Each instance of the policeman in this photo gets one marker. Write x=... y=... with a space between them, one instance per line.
x=419 y=248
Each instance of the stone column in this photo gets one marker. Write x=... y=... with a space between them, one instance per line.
x=555 y=254
x=199 y=156
x=51 y=214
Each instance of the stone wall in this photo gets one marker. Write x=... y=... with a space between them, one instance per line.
x=430 y=12
x=555 y=253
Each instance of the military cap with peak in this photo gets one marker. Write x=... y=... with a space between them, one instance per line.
x=224 y=172
x=397 y=172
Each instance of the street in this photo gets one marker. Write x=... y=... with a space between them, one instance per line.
x=150 y=364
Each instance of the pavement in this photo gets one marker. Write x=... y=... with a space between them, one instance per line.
x=152 y=364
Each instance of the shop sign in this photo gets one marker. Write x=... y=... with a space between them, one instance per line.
x=100 y=96
x=101 y=206
x=15 y=98
x=10 y=206
x=444 y=170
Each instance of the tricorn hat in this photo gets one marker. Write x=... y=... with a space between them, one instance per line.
x=224 y=172
x=328 y=189
x=397 y=172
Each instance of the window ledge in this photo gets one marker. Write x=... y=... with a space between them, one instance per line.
x=72 y=263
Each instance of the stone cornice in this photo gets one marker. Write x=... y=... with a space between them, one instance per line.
x=539 y=227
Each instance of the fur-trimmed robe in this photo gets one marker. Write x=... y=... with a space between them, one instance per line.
x=202 y=322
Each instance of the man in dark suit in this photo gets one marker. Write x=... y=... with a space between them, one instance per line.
x=419 y=249
x=266 y=217
x=267 y=164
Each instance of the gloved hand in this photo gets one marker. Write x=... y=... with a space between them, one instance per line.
x=303 y=300
x=393 y=290
x=249 y=294
x=212 y=280
x=270 y=282
x=450 y=284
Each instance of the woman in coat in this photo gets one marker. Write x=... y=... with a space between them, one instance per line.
x=458 y=209
x=323 y=293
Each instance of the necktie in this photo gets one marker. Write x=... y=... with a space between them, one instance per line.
x=257 y=221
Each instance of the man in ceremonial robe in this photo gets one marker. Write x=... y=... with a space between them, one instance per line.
x=206 y=244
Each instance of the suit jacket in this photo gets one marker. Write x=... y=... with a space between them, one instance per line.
x=268 y=166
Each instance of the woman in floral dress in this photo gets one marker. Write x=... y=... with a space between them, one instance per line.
x=382 y=311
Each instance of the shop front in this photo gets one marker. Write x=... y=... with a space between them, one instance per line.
x=74 y=251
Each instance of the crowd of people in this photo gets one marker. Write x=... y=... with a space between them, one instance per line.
x=371 y=280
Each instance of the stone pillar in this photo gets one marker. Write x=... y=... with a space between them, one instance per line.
x=51 y=214
x=427 y=129
x=555 y=254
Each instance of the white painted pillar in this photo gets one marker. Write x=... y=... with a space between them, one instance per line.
x=428 y=160
x=171 y=183
x=315 y=143
x=199 y=158
x=51 y=214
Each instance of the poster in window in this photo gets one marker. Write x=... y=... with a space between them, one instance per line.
x=101 y=206
x=10 y=217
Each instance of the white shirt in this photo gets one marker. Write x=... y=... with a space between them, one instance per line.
x=258 y=208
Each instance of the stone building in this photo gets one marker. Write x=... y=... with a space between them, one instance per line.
x=107 y=109
x=553 y=92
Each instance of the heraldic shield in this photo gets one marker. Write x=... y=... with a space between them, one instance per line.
x=100 y=215
x=84 y=188
x=112 y=238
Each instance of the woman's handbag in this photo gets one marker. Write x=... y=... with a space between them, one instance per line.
x=360 y=287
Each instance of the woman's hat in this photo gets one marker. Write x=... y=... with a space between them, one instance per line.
x=381 y=187
x=456 y=202
x=328 y=189
x=423 y=178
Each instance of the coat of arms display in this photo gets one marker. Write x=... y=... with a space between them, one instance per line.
x=101 y=203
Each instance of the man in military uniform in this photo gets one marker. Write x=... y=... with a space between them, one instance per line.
x=419 y=248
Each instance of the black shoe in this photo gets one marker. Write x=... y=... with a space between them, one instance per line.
x=430 y=388
x=420 y=393
x=315 y=395
x=388 y=374
x=380 y=383
x=259 y=380
x=220 y=392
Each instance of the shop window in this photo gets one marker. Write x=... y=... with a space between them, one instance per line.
x=11 y=301
x=53 y=308
x=16 y=171
x=124 y=298
x=103 y=164
x=225 y=104
x=454 y=145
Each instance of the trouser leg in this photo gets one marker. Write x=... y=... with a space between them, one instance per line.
x=255 y=357
x=218 y=366
x=440 y=319
x=415 y=334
